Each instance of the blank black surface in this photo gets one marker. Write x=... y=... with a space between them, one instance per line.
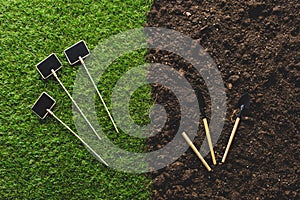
x=42 y=104
x=78 y=49
x=244 y=100
x=201 y=103
x=51 y=62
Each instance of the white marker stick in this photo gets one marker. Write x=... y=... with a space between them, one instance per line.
x=190 y=143
x=102 y=100
x=80 y=111
x=88 y=146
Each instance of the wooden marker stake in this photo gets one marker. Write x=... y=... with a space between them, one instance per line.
x=42 y=107
x=190 y=143
x=76 y=105
x=76 y=53
x=244 y=103
x=102 y=100
x=85 y=144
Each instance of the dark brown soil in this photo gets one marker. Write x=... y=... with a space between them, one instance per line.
x=255 y=44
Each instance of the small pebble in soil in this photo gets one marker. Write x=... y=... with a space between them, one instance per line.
x=187 y=14
x=234 y=78
x=276 y=9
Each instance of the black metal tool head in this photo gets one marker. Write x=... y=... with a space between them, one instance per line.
x=44 y=102
x=49 y=63
x=77 y=50
x=244 y=101
x=201 y=103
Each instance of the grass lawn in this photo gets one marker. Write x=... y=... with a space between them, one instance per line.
x=42 y=160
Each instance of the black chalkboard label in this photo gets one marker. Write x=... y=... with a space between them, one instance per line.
x=77 y=50
x=43 y=103
x=49 y=63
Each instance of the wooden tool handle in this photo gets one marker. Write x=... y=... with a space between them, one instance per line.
x=236 y=124
x=190 y=143
x=209 y=141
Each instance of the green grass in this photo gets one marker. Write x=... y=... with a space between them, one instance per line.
x=42 y=160
x=140 y=101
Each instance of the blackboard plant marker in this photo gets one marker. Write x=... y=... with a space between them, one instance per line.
x=243 y=103
x=190 y=143
x=48 y=67
x=76 y=53
x=43 y=106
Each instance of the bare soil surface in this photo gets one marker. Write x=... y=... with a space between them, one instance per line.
x=255 y=45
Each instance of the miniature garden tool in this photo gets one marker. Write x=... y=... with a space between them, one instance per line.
x=204 y=119
x=190 y=143
x=42 y=107
x=48 y=67
x=244 y=103
x=76 y=53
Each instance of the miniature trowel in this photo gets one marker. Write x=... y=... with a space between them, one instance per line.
x=243 y=103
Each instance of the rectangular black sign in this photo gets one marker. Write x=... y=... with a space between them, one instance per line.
x=77 y=50
x=49 y=63
x=43 y=103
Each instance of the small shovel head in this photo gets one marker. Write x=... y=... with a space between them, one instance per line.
x=44 y=102
x=201 y=102
x=75 y=51
x=244 y=100
x=49 y=63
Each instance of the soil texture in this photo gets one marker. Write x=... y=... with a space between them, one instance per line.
x=255 y=45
